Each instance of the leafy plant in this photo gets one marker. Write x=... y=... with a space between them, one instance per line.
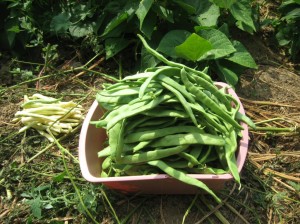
x=288 y=27
x=183 y=30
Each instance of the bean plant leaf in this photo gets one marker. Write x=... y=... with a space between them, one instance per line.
x=184 y=4
x=60 y=23
x=242 y=56
x=149 y=25
x=171 y=40
x=221 y=45
x=114 y=46
x=143 y=10
x=82 y=29
x=224 y=3
x=227 y=74
x=241 y=11
x=207 y=14
x=122 y=16
x=147 y=60
x=193 y=47
x=164 y=13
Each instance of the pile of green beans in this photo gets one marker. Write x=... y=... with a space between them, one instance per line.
x=169 y=119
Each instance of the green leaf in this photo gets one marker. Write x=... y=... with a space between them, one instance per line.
x=82 y=29
x=35 y=206
x=190 y=9
x=147 y=60
x=224 y=3
x=221 y=45
x=171 y=40
x=59 y=177
x=143 y=10
x=242 y=56
x=114 y=46
x=292 y=15
x=149 y=25
x=242 y=12
x=227 y=75
x=207 y=14
x=122 y=16
x=164 y=13
x=193 y=47
x=60 y=23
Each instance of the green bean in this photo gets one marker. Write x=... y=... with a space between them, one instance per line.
x=181 y=164
x=212 y=89
x=230 y=149
x=130 y=111
x=142 y=75
x=207 y=170
x=144 y=86
x=116 y=139
x=183 y=177
x=165 y=113
x=196 y=151
x=104 y=152
x=153 y=134
x=106 y=163
x=202 y=97
x=140 y=146
x=242 y=117
x=191 y=159
x=182 y=101
x=209 y=117
x=152 y=155
x=171 y=63
x=176 y=86
x=206 y=153
x=189 y=138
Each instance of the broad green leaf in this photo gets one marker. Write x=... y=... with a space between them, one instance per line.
x=82 y=29
x=60 y=23
x=242 y=56
x=122 y=16
x=164 y=13
x=207 y=14
x=143 y=10
x=147 y=60
x=114 y=46
x=115 y=22
x=292 y=15
x=241 y=11
x=283 y=36
x=171 y=40
x=149 y=25
x=227 y=75
x=224 y=3
x=221 y=45
x=193 y=47
x=189 y=8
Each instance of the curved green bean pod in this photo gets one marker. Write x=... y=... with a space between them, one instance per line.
x=202 y=97
x=152 y=155
x=213 y=89
x=183 y=177
x=189 y=139
x=153 y=134
x=171 y=63
x=182 y=101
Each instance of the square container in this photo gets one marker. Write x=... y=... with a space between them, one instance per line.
x=91 y=140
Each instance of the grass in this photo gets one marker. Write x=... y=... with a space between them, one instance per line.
x=40 y=182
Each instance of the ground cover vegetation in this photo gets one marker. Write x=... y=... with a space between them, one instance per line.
x=70 y=50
